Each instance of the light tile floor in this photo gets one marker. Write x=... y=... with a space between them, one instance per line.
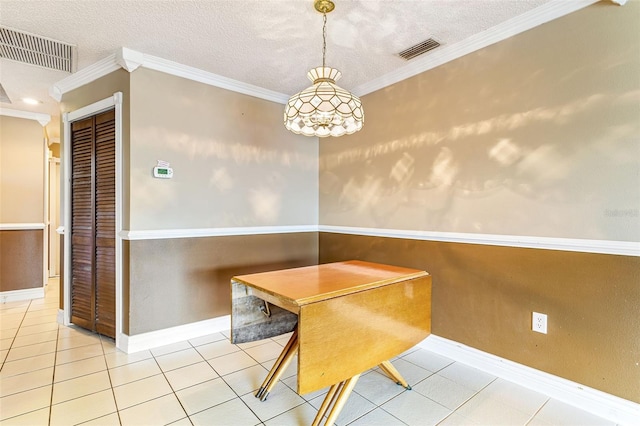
x=60 y=375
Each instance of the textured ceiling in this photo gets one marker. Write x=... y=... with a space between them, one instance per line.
x=267 y=43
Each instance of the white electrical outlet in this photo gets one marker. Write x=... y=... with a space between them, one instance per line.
x=539 y=323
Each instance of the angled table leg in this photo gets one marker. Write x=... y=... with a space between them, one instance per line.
x=280 y=365
x=394 y=374
x=336 y=398
x=328 y=401
x=278 y=373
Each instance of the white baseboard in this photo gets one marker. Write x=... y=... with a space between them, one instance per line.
x=27 y=293
x=167 y=336
x=619 y=410
x=60 y=317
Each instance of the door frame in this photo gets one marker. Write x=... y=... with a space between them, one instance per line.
x=112 y=102
x=53 y=208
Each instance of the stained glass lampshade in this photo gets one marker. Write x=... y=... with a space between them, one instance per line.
x=324 y=109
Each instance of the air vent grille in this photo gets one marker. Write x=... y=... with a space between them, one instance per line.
x=35 y=50
x=419 y=49
x=4 y=98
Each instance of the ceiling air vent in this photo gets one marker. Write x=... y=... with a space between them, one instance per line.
x=419 y=49
x=4 y=98
x=35 y=50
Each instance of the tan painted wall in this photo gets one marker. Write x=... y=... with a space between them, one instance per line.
x=483 y=297
x=184 y=280
x=234 y=162
x=537 y=135
x=21 y=253
x=102 y=88
x=21 y=171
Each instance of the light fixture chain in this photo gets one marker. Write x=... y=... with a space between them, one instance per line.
x=324 y=38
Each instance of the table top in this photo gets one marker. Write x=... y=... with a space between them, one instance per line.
x=309 y=284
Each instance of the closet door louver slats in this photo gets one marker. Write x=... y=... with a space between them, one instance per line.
x=82 y=232
x=105 y=208
x=93 y=223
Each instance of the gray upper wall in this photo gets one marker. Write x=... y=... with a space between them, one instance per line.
x=538 y=135
x=234 y=162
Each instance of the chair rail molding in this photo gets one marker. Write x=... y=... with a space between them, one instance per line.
x=626 y=248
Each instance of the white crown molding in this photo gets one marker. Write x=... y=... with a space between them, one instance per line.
x=131 y=60
x=538 y=16
x=20 y=226
x=626 y=248
x=43 y=119
x=84 y=76
x=211 y=79
x=618 y=410
x=167 y=336
x=156 y=234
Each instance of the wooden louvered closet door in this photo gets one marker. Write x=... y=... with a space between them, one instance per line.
x=93 y=227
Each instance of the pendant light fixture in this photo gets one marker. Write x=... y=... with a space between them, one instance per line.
x=324 y=109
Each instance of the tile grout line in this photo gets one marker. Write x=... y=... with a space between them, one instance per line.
x=153 y=375
x=31 y=411
x=433 y=373
x=53 y=375
x=13 y=339
x=232 y=389
x=113 y=393
x=468 y=399
x=226 y=383
x=173 y=391
x=537 y=411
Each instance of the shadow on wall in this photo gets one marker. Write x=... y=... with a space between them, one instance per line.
x=234 y=162
x=221 y=182
x=544 y=145
x=219 y=280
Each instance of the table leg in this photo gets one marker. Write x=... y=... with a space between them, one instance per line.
x=337 y=403
x=329 y=400
x=291 y=346
x=391 y=371
x=285 y=363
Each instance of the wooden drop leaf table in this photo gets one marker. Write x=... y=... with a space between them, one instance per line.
x=346 y=318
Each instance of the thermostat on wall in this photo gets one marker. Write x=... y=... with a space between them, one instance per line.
x=162 y=170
